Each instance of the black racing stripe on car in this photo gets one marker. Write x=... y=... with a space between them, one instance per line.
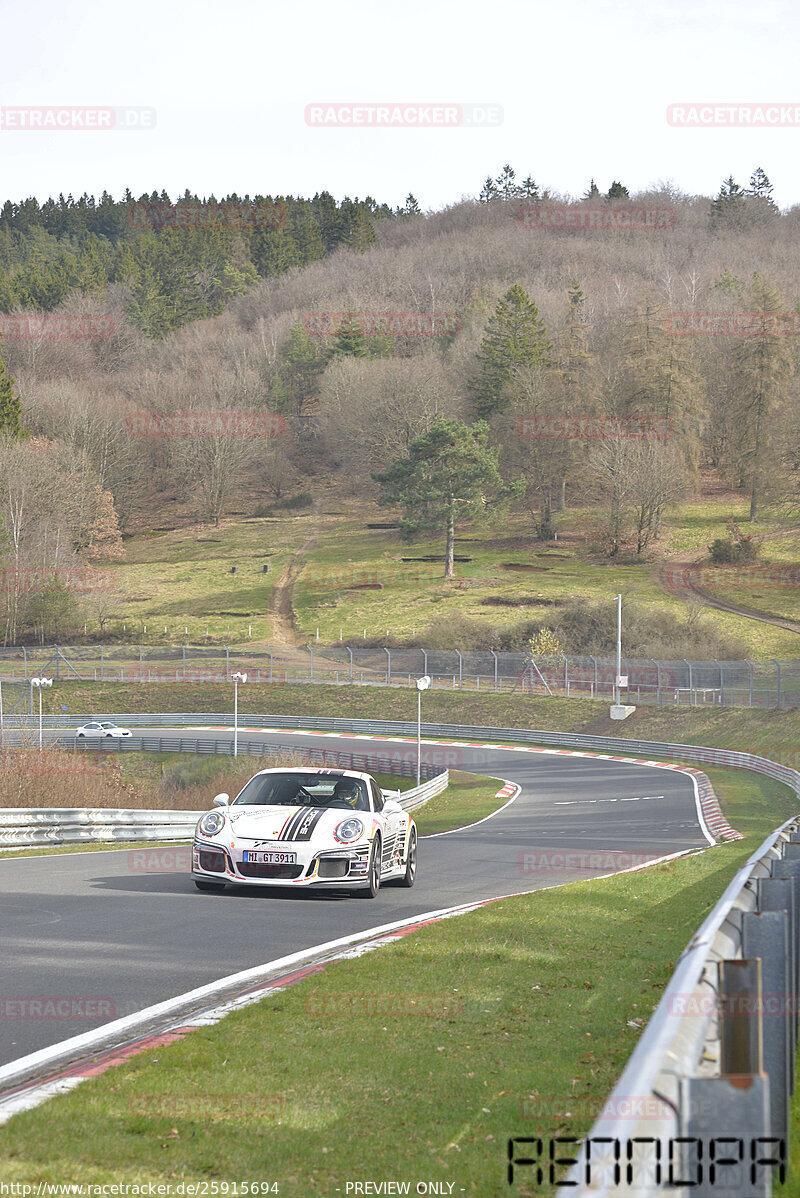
x=302 y=825
x=286 y=830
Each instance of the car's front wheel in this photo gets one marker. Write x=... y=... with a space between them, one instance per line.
x=209 y=886
x=409 y=876
x=374 y=872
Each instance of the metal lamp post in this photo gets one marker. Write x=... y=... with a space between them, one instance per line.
x=237 y=678
x=422 y=685
x=40 y=684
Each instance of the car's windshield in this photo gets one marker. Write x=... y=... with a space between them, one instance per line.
x=304 y=790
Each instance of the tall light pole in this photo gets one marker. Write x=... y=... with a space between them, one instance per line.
x=619 y=648
x=237 y=678
x=40 y=684
x=422 y=685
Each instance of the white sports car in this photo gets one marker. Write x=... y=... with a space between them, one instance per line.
x=306 y=827
x=96 y=728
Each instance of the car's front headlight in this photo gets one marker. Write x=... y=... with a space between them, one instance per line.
x=211 y=823
x=349 y=830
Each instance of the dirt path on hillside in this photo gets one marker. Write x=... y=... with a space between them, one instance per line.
x=678 y=577
x=280 y=608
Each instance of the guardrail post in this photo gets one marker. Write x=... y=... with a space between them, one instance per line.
x=741 y=1050
x=724 y=1110
x=778 y=894
x=494 y=655
x=766 y=935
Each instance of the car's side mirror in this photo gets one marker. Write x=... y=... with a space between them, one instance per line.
x=391 y=805
x=222 y=800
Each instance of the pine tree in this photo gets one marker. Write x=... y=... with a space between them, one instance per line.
x=530 y=188
x=764 y=369
x=617 y=192
x=488 y=191
x=507 y=189
x=515 y=343
x=302 y=367
x=450 y=476
x=760 y=185
x=728 y=208
x=593 y=192
x=351 y=341
x=411 y=208
x=10 y=405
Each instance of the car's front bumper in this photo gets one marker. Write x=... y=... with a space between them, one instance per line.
x=215 y=862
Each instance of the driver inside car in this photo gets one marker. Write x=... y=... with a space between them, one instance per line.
x=348 y=791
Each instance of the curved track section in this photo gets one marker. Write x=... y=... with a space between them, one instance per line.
x=104 y=928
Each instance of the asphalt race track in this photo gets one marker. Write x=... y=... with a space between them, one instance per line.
x=93 y=926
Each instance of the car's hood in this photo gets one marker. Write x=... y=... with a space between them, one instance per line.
x=290 y=824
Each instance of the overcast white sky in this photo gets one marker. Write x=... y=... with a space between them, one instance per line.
x=584 y=86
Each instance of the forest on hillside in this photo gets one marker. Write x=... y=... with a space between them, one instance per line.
x=522 y=348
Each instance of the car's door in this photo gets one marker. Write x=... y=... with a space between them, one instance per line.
x=392 y=824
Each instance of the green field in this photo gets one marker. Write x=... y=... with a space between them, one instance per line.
x=355 y=582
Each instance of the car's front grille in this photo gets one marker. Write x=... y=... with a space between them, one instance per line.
x=249 y=869
x=333 y=867
x=212 y=862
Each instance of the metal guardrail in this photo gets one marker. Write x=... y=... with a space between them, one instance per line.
x=27 y=827
x=698 y=754
x=703 y=1104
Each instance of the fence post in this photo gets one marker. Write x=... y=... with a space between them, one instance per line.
x=691 y=686
x=270 y=663
x=595 y=683
x=184 y=662
x=566 y=677
x=494 y=655
x=25 y=660
x=227 y=663
x=388 y=653
x=424 y=653
x=58 y=663
x=101 y=662
x=750 y=665
x=460 y=667
x=721 y=683
x=658 y=680
x=311 y=652
x=778 y=667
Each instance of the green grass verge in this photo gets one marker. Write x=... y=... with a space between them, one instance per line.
x=416 y=1062
x=769 y=732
